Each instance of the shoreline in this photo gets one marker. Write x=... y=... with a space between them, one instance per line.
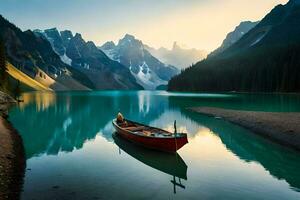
x=236 y=92
x=12 y=154
x=282 y=128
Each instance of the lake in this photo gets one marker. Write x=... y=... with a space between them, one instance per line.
x=73 y=153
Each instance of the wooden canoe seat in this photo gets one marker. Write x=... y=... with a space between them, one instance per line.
x=134 y=128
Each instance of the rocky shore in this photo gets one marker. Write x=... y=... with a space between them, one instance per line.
x=12 y=160
x=283 y=128
x=5 y=102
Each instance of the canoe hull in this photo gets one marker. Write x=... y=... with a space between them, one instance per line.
x=161 y=144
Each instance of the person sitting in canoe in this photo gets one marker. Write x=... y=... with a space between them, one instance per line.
x=120 y=118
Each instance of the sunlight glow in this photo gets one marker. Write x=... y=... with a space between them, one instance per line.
x=200 y=24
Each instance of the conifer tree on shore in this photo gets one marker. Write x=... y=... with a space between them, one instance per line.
x=3 y=73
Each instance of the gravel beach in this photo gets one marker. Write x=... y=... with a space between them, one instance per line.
x=12 y=159
x=283 y=128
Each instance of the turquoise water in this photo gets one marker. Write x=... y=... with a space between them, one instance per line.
x=72 y=152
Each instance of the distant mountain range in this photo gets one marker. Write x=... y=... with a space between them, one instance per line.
x=55 y=60
x=235 y=35
x=60 y=60
x=147 y=69
x=85 y=57
x=178 y=56
x=266 y=59
x=256 y=56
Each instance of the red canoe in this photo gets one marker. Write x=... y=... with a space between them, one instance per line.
x=150 y=137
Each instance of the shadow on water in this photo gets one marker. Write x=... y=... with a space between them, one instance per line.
x=64 y=122
x=250 y=102
x=281 y=162
x=171 y=164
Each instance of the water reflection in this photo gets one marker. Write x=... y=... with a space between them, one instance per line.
x=42 y=100
x=64 y=122
x=252 y=102
x=69 y=121
x=171 y=164
x=281 y=162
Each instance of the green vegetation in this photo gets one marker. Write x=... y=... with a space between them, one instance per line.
x=8 y=83
x=266 y=59
x=19 y=79
x=3 y=73
x=274 y=69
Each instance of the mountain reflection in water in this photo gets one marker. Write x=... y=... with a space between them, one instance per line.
x=281 y=162
x=51 y=123
x=67 y=122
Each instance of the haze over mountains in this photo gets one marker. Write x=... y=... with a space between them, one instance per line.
x=178 y=56
x=55 y=60
x=73 y=50
x=266 y=59
x=235 y=35
x=61 y=60
x=256 y=56
x=147 y=69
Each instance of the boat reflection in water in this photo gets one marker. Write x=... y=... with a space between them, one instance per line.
x=171 y=164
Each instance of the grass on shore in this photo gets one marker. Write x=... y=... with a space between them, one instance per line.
x=25 y=79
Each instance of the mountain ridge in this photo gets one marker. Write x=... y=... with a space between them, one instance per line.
x=84 y=56
x=178 y=56
x=148 y=70
x=29 y=54
x=264 y=60
x=243 y=28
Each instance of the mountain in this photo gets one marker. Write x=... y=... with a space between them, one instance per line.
x=234 y=36
x=266 y=59
x=178 y=56
x=85 y=57
x=34 y=57
x=148 y=70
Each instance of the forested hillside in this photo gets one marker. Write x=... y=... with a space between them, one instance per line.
x=276 y=71
x=266 y=59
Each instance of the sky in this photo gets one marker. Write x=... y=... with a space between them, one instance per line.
x=201 y=24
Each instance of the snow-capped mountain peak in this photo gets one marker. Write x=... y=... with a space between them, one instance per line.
x=99 y=70
x=148 y=70
x=56 y=41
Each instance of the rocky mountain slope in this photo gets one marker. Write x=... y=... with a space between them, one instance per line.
x=30 y=55
x=148 y=70
x=178 y=56
x=85 y=57
x=266 y=59
x=235 y=35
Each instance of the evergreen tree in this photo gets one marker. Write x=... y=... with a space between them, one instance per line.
x=266 y=69
x=3 y=72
